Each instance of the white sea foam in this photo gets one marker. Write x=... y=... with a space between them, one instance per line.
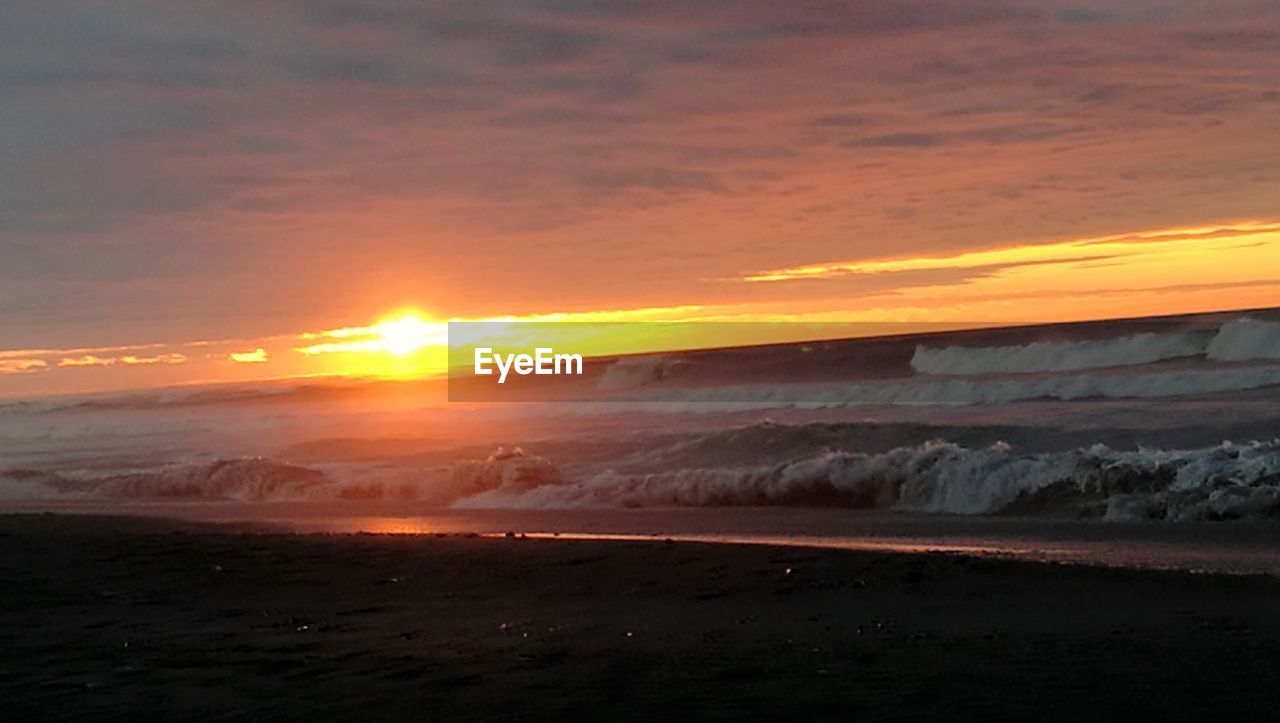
x=260 y=479
x=1056 y=356
x=949 y=391
x=1213 y=483
x=1219 y=482
x=1246 y=339
x=1239 y=340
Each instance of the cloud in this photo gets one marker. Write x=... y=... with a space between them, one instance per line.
x=473 y=155
x=88 y=360
x=91 y=360
x=904 y=140
x=990 y=260
x=158 y=359
x=999 y=134
x=21 y=366
x=842 y=120
x=257 y=356
x=1246 y=229
x=653 y=178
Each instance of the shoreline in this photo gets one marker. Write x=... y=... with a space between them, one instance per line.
x=1236 y=547
x=180 y=619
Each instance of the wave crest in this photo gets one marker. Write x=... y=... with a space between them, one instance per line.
x=1245 y=339
x=1238 y=340
x=1060 y=356
x=261 y=479
x=1213 y=483
x=254 y=478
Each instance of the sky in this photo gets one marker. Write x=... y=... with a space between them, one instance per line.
x=210 y=190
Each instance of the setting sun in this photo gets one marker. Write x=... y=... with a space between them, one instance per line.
x=934 y=342
x=403 y=344
x=404 y=335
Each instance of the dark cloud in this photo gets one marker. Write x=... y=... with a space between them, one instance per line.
x=903 y=140
x=805 y=17
x=1240 y=39
x=842 y=120
x=652 y=178
x=1002 y=134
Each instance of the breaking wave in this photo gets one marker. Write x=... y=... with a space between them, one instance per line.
x=1222 y=482
x=1233 y=341
x=1244 y=340
x=637 y=371
x=1059 y=356
x=961 y=390
x=234 y=479
x=258 y=479
x=1226 y=481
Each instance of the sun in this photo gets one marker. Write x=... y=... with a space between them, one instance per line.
x=404 y=344
x=405 y=334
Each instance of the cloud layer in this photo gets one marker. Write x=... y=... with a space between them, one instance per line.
x=230 y=168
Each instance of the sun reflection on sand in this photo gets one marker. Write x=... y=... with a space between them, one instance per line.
x=396 y=526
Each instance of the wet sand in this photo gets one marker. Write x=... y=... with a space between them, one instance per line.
x=114 y=618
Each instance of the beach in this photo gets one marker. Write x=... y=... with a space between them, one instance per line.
x=107 y=618
x=550 y=360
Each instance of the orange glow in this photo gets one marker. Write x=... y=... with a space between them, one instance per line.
x=1203 y=241
x=22 y=366
x=158 y=359
x=1157 y=271
x=393 y=526
x=406 y=335
x=89 y=360
x=401 y=345
x=1162 y=271
x=257 y=356
x=399 y=335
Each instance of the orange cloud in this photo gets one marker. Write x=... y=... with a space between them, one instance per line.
x=257 y=356
x=399 y=336
x=158 y=359
x=21 y=366
x=1134 y=244
x=87 y=361
x=91 y=360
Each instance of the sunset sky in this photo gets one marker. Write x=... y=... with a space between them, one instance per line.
x=231 y=190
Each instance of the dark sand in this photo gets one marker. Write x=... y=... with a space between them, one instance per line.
x=141 y=619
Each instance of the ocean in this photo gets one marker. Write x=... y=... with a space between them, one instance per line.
x=1170 y=420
